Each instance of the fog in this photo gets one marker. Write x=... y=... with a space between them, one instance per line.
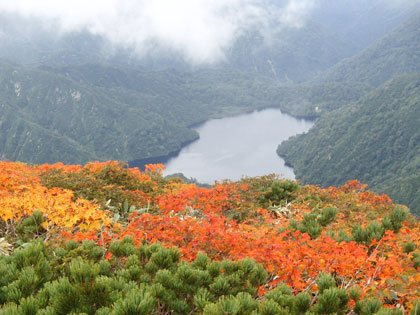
x=199 y=30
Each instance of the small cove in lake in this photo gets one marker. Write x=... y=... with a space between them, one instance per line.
x=232 y=147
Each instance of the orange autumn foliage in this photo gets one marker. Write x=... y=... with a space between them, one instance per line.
x=21 y=193
x=228 y=221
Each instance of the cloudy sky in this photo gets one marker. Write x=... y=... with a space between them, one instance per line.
x=200 y=30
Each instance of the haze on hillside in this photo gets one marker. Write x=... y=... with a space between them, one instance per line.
x=198 y=31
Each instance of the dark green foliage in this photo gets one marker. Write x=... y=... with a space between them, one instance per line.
x=31 y=227
x=343 y=236
x=99 y=112
x=134 y=281
x=279 y=192
x=302 y=302
x=137 y=302
x=310 y=225
x=152 y=280
x=416 y=309
x=376 y=141
x=325 y=281
x=387 y=311
x=365 y=235
x=332 y=300
x=397 y=217
x=416 y=260
x=355 y=293
x=368 y=306
x=327 y=215
x=313 y=222
x=110 y=113
x=374 y=306
x=376 y=230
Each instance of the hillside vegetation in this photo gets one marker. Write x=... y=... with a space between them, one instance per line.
x=77 y=113
x=105 y=239
x=376 y=140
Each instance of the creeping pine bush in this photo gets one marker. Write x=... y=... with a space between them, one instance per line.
x=314 y=221
x=151 y=279
x=76 y=279
x=279 y=192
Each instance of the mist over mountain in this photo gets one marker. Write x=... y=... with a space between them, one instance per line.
x=395 y=54
x=362 y=22
x=199 y=31
x=291 y=41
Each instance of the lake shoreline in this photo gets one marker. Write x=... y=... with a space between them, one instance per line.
x=163 y=159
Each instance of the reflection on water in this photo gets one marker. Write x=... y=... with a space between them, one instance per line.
x=237 y=146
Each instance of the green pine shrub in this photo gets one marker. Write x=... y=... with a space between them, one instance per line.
x=409 y=247
x=279 y=192
x=314 y=221
x=76 y=279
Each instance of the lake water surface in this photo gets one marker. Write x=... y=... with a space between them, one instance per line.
x=230 y=148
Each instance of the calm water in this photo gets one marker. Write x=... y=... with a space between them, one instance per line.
x=237 y=146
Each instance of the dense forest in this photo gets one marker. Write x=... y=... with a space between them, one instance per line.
x=96 y=111
x=376 y=140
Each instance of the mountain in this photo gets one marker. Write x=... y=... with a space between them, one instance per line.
x=360 y=21
x=289 y=54
x=376 y=140
x=81 y=112
x=395 y=54
x=52 y=116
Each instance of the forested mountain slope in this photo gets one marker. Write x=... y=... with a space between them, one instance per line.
x=376 y=140
x=82 y=112
x=225 y=89
x=51 y=117
x=289 y=54
x=395 y=54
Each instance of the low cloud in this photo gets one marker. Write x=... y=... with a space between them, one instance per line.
x=198 y=30
x=294 y=13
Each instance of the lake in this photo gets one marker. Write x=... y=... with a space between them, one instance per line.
x=232 y=147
